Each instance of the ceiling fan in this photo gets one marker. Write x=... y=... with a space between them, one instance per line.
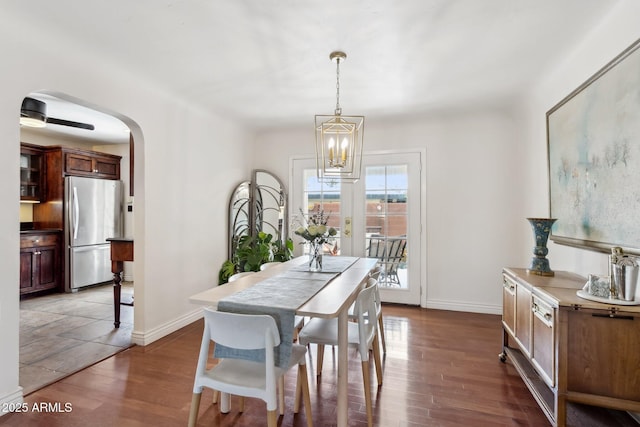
x=34 y=113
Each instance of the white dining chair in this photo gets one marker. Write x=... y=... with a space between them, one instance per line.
x=362 y=334
x=267 y=265
x=237 y=276
x=373 y=279
x=243 y=377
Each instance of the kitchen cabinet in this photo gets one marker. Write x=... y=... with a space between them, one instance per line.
x=61 y=162
x=91 y=164
x=568 y=349
x=31 y=172
x=40 y=266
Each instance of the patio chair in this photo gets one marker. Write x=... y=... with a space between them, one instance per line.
x=390 y=252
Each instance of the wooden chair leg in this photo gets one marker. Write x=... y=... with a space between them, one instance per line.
x=272 y=418
x=320 y=359
x=296 y=401
x=381 y=332
x=195 y=406
x=377 y=360
x=241 y=405
x=367 y=391
x=281 y=394
x=304 y=384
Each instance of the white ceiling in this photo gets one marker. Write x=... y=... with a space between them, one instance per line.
x=266 y=62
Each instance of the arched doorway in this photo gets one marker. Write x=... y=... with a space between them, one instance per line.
x=64 y=329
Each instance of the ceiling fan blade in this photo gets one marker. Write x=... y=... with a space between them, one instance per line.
x=70 y=123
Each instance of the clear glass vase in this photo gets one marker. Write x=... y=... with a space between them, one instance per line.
x=315 y=256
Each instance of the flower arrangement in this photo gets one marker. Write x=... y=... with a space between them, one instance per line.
x=315 y=230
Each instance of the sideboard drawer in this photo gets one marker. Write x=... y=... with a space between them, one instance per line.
x=543 y=352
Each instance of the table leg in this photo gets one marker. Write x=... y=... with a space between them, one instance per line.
x=116 y=268
x=343 y=368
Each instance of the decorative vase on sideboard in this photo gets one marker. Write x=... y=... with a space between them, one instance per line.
x=541 y=229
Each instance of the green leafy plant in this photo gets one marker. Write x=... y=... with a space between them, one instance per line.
x=282 y=251
x=251 y=252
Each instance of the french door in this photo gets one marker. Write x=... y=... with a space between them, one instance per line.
x=378 y=216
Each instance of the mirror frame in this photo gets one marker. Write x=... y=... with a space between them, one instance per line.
x=258 y=205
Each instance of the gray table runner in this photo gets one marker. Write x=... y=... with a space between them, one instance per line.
x=330 y=264
x=278 y=296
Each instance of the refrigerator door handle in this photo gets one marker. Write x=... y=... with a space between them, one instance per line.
x=76 y=213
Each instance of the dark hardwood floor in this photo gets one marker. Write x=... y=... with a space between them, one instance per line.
x=441 y=369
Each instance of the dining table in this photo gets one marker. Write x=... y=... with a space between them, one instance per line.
x=331 y=300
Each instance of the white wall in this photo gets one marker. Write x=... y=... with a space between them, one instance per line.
x=616 y=32
x=473 y=190
x=187 y=163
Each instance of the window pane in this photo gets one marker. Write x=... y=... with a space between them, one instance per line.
x=386 y=189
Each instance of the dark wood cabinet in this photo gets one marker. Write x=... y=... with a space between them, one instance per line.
x=41 y=250
x=40 y=266
x=31 y=173
x=65 y=161
x=91 y=164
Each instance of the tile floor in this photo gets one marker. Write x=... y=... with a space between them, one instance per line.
x=63 y=333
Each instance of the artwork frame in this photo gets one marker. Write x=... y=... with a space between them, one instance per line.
x=593 y=151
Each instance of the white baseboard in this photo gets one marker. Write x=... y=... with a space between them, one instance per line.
x=145 y=338
x=12 y=399
x=462 y=306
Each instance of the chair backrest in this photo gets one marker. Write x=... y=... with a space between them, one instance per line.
x=395 y=253
x=266 y=265
x=237 y=276
x=377 y=248
x=390 y=250
x=365 y=311
x=241 y=331
x=373 y=282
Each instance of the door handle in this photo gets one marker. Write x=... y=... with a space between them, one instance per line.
x=76 y=212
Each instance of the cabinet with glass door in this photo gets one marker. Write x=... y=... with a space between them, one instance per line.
x=31 y=173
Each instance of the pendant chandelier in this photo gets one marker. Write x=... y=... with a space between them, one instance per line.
x=339 y=139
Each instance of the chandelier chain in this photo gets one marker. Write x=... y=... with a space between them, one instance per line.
x=338 y=109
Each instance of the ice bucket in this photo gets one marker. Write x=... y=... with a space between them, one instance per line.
x=625 y=278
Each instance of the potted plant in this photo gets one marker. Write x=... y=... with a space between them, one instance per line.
x=251 y=252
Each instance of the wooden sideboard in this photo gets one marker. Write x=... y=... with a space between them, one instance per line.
x=569 y=349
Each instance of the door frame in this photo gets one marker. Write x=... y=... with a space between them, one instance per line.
x=347 y=210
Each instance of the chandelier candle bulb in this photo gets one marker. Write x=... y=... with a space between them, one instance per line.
x=331 y=144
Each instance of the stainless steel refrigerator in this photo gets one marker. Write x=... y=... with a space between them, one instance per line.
x=92 y=213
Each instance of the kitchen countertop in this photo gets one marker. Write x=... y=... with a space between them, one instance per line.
x=41 y=231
